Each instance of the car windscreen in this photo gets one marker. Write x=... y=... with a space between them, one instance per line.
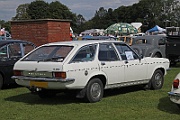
x=49 y=53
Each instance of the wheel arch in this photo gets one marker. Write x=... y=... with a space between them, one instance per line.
x=101 y=77
x=155 y=69
x=162 y=70
x=157 y=52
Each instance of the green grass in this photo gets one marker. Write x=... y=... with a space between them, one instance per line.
x=131 y=103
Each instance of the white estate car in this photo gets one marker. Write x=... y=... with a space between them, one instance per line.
x=88 y=67
x=174 y=94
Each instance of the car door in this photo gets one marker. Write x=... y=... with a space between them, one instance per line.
x=110 y=63
x=83 y=65
x=162 y=45
x=9 y=54
x=135 y=68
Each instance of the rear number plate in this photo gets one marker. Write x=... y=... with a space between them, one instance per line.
x=39 y=84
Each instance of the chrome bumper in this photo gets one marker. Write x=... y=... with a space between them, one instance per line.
x=173 y=94
x=42 y=79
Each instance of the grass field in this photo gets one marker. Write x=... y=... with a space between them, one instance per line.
x=131 y=103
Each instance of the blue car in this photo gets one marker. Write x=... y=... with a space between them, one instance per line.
x=10 y=52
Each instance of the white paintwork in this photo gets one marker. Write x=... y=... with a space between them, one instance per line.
x=176 y=91
x=136 y=70
x=116 y=73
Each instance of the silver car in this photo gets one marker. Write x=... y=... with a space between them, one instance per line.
x=150 y=45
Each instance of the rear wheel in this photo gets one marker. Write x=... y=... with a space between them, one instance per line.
x=157 y=80
x=94 y=90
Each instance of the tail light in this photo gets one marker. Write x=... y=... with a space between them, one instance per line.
x=59 y=75
x=176 y=83
x=17 y=73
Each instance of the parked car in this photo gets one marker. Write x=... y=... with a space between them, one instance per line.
x=174 y=94
x=150 y=45
x=89 y=67
x=173 y=44
x=10 y=52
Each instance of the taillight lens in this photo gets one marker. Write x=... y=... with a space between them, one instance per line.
x=17 y=73
x=60 y=75
x=176 y=83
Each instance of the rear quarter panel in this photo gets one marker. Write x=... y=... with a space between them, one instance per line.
x=175 y=89
x=82 y=72
x=156 y=63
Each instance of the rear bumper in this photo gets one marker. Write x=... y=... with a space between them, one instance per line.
x=174 y=97
x=42 y=79
x=46 y=83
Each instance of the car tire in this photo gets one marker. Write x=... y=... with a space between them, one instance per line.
x=1 y=81
x=157 y=80
x=94 y=90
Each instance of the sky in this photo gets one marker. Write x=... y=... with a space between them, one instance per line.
x=87 y=8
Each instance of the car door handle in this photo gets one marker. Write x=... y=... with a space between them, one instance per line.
x=126 y=62
x=103 y=63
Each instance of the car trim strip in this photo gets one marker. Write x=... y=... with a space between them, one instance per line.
x=131 y=83
x=43 y=79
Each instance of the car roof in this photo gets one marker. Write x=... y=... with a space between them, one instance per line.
x=83 y=42
x=4 y=42
x=98 y=38
x=150 y=37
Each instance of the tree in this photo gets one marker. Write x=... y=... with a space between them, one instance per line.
x=100 y=18
x=38 y=10
x=21 y=12
x=159 y=11
x=80 y=19
x=59 y=11
x=171 y=12
x=6 y=25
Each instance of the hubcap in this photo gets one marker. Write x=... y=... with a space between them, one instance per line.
x=95 y=90
x=158 y=79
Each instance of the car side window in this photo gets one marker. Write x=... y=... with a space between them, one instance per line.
x=107 y=53
x=141 y=41
x=125 y=52
x=27 y=48
x=162 y=41
x=14 y=50
x=3 y=53
x=85 y=54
